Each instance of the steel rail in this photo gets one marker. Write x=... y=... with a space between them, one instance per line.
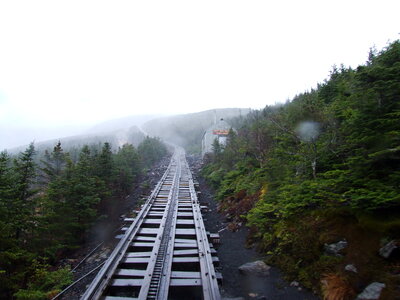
x=158 y=249
x=104 y=276
x=208 y=276
x=162 y=292
x=170 y=230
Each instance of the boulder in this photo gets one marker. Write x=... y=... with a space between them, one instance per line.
x=335 y=248
x=371 y=292
x=351 y=268
x=388 y=249
x=295 y=284
x=257 y=268
x=253 y=295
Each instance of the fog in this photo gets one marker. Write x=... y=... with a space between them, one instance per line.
x=13 y=136
x=117 y=130
x=66 y=67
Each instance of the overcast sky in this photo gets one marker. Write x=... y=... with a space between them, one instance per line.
x=69 y=63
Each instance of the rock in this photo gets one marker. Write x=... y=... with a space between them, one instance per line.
x=387 y=250
x=351 y=268
x=228 y=217
x=253 y=295
x=233 y=227
x=294 y=283
x=371 y=292
x=258 y=268
x=335 y=248
x=71 y=261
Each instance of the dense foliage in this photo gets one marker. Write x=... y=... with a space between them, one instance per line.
x=47 y=207
x=150 y=150
x=335 y=147
x=337 y=144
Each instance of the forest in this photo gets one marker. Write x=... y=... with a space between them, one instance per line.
x=321 y=168
x=49 y=201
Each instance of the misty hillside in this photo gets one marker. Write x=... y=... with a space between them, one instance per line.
x=121 y=123
x=132 y=135
x=187 y=130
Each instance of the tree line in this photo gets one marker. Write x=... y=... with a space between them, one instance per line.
x=47 y=207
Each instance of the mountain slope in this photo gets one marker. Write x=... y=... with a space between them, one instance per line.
x=187 y=130
x=122 y=123
x=116 y=138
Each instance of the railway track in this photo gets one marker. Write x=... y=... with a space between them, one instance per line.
x=165 y=252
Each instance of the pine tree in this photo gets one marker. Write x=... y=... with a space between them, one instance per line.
x=24 y=204
x=54 y=163
x=104 y=164
x=7 y=191
x=127 y=168
x=151 y=150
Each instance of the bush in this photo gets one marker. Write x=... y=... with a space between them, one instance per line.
x=44 y=283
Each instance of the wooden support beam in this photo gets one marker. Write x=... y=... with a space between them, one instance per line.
x=186 y=252
x=145 y=238
x=130 y=272
x=119 y=298
x=136 y=260
x=185 y=274
x=140 y=244
x=185 y=282
x=126 y=282
x=138 y=254
x=185 y=231
x=149 y=230
x=184 y=222
x=185 y=245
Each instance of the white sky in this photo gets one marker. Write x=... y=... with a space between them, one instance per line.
x=65 y=63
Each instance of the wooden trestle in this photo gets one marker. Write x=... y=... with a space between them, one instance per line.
x=165 y=252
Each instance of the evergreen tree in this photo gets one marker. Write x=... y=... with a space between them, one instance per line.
x=54 y=163
x=7 y=191
x=127 y=168
x=23 y=205
x=104 y=163
x=151 y=150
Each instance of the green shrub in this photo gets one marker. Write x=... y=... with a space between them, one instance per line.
x=44 y=282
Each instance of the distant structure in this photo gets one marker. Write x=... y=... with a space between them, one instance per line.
x=219 y=131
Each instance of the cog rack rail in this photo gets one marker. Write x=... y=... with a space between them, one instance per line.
x=165 y=252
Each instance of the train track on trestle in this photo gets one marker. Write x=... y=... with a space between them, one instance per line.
x=165 y=252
